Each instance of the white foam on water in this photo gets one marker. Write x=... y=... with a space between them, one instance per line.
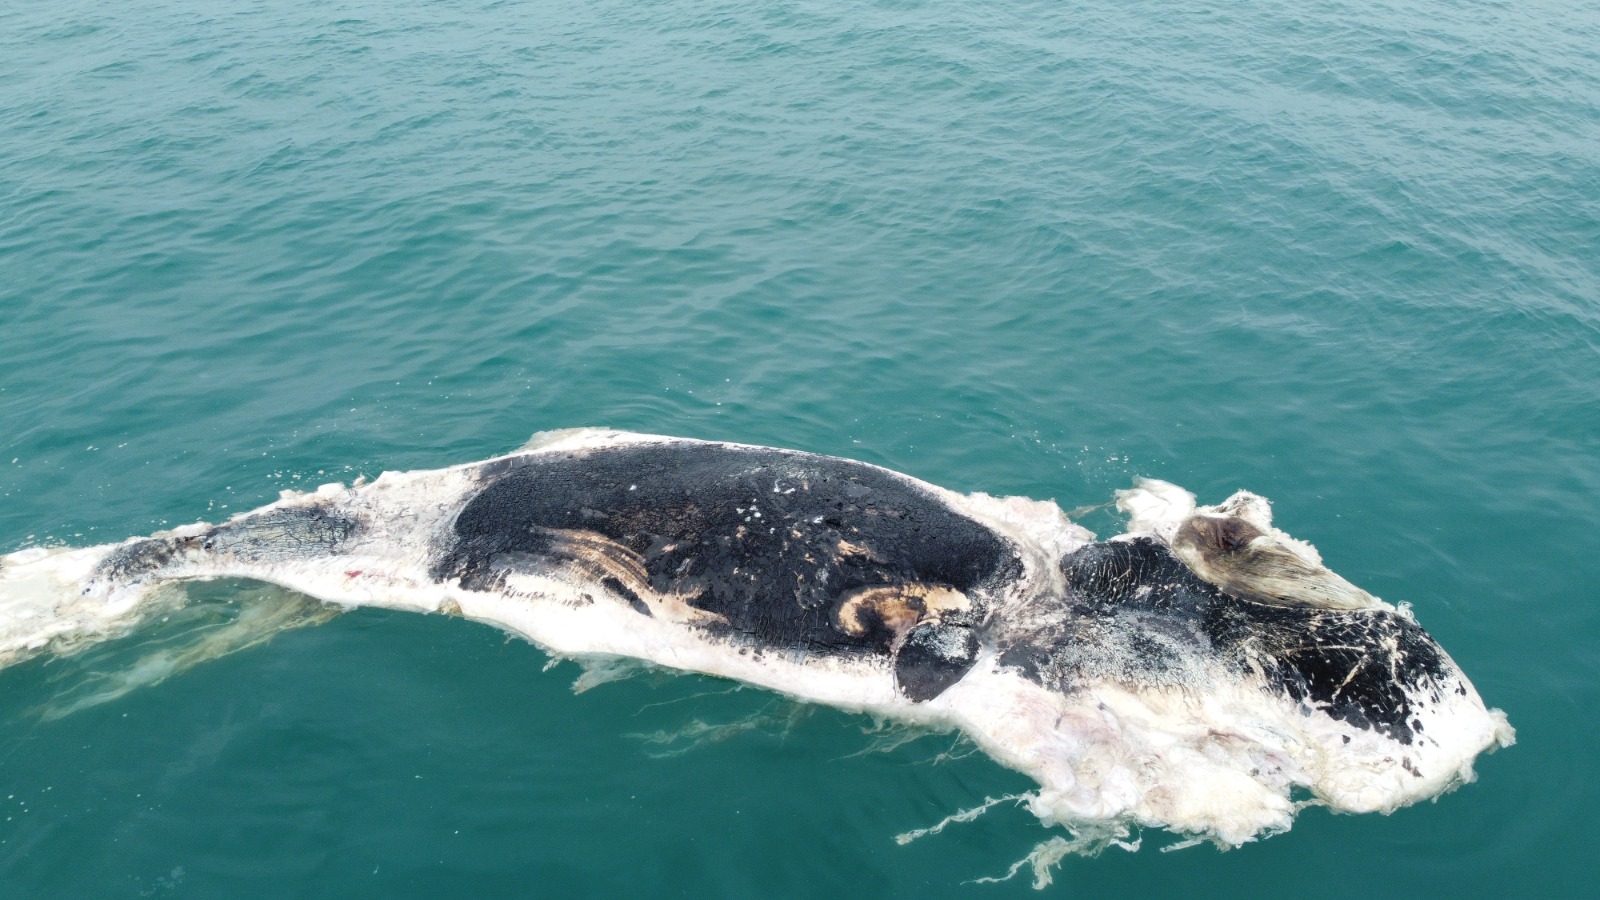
x=966 y=815
x=1046 y=855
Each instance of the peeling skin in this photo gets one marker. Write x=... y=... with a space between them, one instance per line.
x=1234 y=555
x=1191 y=674
x=898 y=607
x=1234 y=546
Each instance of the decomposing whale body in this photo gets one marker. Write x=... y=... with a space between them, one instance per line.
x=1201 y=673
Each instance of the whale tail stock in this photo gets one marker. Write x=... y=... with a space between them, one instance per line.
x=59 y=599
x=48 y=601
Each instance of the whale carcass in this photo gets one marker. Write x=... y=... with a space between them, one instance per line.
x=1201 y=673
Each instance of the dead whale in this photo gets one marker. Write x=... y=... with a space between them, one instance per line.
x=1200 y=673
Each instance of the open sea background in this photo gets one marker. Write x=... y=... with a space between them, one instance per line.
x=1345 y=255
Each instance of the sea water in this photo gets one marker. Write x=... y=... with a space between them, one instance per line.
x=1340 y=255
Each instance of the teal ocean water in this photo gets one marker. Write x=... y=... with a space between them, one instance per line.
x=1343 y=255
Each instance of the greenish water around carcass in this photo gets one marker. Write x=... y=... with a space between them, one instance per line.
x=1340 y=255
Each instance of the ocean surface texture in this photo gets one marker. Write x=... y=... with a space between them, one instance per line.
x=1345 y=255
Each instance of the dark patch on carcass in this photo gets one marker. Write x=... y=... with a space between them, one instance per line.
x=1133 y=611
x=933 y=657
x=616 y=586
x=130 y=562
x=278 y=534
x=270 y=536
x=768 y=542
